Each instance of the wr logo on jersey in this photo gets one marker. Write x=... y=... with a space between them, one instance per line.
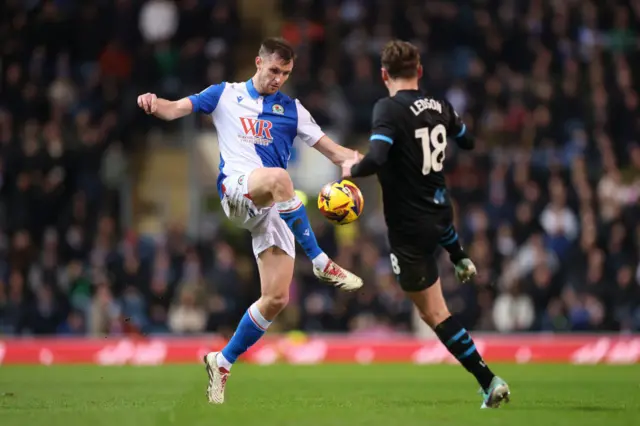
x=256 y=127
x=256 y=131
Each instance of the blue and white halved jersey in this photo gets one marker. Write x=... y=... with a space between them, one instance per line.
x=254 y=130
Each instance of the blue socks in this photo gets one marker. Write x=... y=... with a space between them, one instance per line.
x=251 y=328
x=253 y=325
x=295 y=215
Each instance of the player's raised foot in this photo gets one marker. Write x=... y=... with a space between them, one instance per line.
x=338 y=276
x=498 y=391
x=465 y=270
x=217 y=378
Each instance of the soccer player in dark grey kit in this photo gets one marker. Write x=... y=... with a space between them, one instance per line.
x=407 y=151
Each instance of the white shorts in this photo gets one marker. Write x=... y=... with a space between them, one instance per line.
x=265 y=224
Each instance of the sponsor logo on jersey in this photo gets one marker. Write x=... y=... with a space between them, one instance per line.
x=277 y=109
x=256 y=131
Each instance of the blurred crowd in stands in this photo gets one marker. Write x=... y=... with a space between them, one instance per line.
x=547 y=205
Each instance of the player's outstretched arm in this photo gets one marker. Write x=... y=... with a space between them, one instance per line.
x=163 y=108
x=335 y=153
x=458 y=130
x=312 y=135
x=463 y=139
x=382 y=137
x=371 y=163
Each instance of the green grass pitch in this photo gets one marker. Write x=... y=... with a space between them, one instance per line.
x=403 y=395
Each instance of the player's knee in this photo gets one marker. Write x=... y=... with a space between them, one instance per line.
x=276 y=301
x=433 y=316
x=280 y=183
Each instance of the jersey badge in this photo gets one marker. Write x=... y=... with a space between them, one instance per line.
x=277 y=109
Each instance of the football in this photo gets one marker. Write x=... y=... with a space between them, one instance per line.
x=341 y=202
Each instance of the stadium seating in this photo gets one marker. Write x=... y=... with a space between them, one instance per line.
x=547 y=205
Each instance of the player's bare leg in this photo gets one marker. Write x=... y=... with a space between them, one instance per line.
x=269 y=186
x=276 y=272
x=433 y=311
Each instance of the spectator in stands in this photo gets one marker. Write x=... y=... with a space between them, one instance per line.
x=548 y=203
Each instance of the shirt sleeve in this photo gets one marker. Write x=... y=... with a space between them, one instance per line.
x=383 y=124
x=375 y=158
x=207 y=100
x=308 y=130
x=382 y=136
x=458 y=130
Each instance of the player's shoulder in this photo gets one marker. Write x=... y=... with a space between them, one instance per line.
x=236 y=86
x=288 y=102
x=387 y=105
x=216 y=88
x=236 y=91
x=385 y=102
x=284 y=99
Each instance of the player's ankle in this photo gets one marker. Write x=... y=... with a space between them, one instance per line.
x=223 y=362
x=321 y=261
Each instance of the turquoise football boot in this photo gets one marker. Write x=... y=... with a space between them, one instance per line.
x=498 y=391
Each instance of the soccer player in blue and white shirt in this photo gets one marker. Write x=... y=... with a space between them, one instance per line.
x=256 y=126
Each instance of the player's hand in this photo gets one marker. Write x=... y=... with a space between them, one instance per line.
x=148 y=102
x=347 y=164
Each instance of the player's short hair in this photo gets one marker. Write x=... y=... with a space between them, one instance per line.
x=281 y=47
x=400 y=59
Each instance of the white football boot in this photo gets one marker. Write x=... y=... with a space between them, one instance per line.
x=217 y=378
x=338 y=276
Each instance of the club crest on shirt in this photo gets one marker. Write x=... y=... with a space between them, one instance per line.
x=277 y=109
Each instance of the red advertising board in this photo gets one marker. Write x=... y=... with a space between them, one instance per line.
x=606 y=349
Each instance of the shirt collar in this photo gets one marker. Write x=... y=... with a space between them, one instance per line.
x=252 y=90
x=254 y=93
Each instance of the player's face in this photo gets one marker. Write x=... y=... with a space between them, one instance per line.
x=272 y=73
